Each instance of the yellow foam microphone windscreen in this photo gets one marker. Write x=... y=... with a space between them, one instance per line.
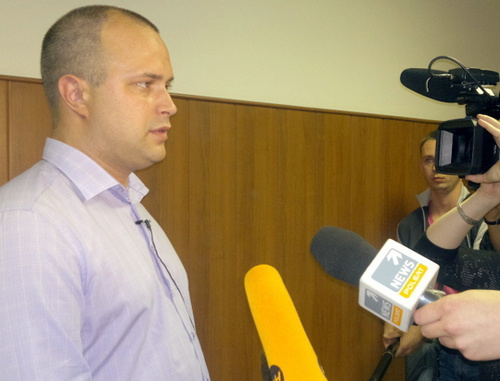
x=289 y=353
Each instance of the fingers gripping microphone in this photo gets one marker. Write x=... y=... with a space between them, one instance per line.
x=393 y=282
x=289 y=353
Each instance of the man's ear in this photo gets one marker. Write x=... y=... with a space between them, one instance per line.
x=74 y=93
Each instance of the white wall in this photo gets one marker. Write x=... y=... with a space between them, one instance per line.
x=333 y=54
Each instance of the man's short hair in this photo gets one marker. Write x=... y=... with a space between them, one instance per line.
x=73 y=46
x=430 y=136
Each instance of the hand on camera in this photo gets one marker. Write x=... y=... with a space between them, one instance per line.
x=493 y=127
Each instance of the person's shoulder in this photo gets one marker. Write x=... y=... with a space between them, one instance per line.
x=412 y=218
x=411 y=227
x=25 y=189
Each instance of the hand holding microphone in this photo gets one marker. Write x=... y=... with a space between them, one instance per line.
x=393 y=282
x=467 y=321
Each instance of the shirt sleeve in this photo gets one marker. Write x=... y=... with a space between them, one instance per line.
x=41 y=301
x=463 y=268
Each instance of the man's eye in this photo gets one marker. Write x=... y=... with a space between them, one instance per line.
x=143 y=84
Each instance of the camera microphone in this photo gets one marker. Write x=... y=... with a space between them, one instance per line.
x=460 y=85
x=440 y=85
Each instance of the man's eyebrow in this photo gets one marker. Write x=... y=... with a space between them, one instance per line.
x=152 y=76
x=157 y=77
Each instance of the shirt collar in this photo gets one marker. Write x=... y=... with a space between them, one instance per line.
x=88 y=176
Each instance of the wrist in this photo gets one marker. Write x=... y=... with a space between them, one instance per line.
x=487 y=195
x=479 y=204
x=468 y=219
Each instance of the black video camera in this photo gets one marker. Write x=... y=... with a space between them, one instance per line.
x=462 y=146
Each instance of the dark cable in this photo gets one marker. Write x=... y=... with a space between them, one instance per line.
x=148 y=225
x=466 y=70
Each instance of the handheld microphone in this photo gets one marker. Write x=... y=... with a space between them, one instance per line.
x=343 y=254
x=289 y=353
x=393 y=282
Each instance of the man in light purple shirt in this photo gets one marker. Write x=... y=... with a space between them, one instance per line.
x=90 y=286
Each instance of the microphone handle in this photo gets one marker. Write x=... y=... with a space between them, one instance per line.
x=264 y=366
x=384 y=362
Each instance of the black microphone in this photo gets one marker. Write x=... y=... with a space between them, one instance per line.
x=392 y=282
x=342 y=253
x=442 y=86
x=146 y=222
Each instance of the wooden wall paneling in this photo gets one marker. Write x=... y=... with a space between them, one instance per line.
x=299 y=145
x=337 y=171
x=4 y=120
x=367 y=176
x=216 y=267
x=30 y=123
x=399 y=178
x=258 y=231
x=301 y=159
x=338 y=317
x=256 y=185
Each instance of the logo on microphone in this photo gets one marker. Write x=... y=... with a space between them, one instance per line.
x=392 y=285
x=276 y=373
x=400 y=273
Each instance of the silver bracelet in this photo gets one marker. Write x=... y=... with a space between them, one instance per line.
x=465 y=217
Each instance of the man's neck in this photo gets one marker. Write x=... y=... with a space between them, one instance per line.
x=443 y=202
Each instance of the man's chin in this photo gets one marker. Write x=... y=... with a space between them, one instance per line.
x=150 y=161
